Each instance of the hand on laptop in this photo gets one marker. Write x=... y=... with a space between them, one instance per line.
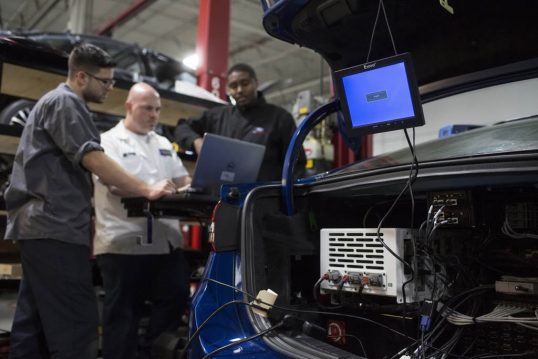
x=183 y=188
x=159 y=189
x=197 y=144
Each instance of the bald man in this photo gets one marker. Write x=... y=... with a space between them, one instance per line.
x=137 y=264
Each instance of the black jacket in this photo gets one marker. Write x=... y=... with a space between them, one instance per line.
x=258 y=122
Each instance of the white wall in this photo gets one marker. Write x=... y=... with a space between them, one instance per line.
x=483 y=107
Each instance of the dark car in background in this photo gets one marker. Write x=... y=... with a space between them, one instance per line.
x=424 y=252
x=134 y=63
x=30 y=67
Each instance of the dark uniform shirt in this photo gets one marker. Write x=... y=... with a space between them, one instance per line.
x=49 y=195
x=258 y=122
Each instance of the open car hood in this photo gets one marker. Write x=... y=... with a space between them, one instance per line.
x=445 y=41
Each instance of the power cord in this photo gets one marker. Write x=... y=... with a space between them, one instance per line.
x=317 y=285
x=412 y=177
x=310 y=311
x=211 y=316
x=353 y=337
x=250 y=296
x=530 y=354
x=244 y=340
x=317 y=312
x=216 y=311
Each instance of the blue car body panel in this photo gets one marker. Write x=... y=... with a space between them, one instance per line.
x=231 y=323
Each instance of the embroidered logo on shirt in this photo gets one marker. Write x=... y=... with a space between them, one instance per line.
x=165 y=152
x=258 y=130
x=127 y=154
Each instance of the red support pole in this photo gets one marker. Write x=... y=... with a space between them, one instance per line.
x=367 y=147
x=196 y=237
x=212 y=45
x=342 y=154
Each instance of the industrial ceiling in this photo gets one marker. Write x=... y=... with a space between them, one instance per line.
x=170 y=26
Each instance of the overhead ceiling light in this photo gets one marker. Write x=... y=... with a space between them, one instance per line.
x=191 y=61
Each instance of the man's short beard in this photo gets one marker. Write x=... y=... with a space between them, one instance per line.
x=90 y=97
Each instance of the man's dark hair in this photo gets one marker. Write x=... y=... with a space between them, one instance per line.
x=243 y=68
x=90 y=58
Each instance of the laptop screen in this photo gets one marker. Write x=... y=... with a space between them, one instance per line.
x=224 y=160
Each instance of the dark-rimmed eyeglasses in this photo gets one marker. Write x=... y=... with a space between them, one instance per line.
x=104 y=82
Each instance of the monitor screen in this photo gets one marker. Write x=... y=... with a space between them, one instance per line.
x=379 y=96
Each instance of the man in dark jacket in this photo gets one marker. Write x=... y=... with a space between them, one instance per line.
x=250 y=118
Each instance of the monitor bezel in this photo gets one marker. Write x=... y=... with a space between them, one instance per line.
x=388 y=125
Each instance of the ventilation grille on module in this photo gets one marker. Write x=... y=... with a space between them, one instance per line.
x=355 y=251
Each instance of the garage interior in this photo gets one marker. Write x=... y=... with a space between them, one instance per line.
x=475 y=243
x=170 y=26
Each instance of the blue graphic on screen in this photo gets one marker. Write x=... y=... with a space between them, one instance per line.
x=378 y=95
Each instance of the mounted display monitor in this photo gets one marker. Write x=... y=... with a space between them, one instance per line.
x=379 y=96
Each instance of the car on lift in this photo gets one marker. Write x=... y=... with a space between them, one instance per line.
x=427 y=251
x=134 y=63
x=28 y=69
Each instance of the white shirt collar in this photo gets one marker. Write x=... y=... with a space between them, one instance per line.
x=125 y=133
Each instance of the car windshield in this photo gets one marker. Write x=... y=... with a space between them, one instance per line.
x=509 y=137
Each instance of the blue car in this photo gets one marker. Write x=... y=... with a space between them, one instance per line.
x=426 y=249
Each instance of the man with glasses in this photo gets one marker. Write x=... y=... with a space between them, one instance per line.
x=48 y=201
x=108 y=83
x=250 y=118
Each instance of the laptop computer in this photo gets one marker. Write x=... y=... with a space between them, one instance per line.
x=224 y=160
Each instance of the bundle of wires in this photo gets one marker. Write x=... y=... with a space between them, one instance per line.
x=502 y=313
x=507 y=230
x=430 y=225
x=435 y=343
x=434 y=265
